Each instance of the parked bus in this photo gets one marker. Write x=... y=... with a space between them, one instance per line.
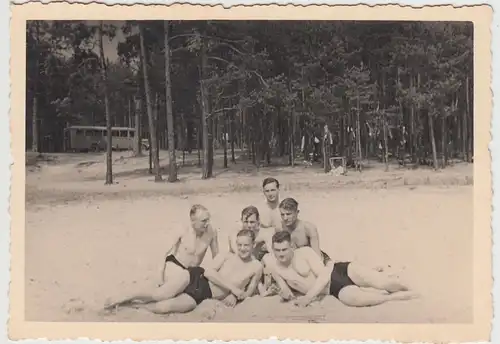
x=80 y=138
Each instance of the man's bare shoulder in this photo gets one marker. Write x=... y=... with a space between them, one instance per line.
x=211 y=233
x=257 y=266
x=308 y=225
x=305 y=252
x=268 y=259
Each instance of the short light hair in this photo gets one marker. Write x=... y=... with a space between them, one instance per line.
x=246 y=232
x=289 y=204
x=197 y=208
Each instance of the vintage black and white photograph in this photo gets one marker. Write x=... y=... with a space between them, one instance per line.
x=262 y=171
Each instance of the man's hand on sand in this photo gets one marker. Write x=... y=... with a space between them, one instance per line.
x=302 y=301
x=240 y=294
x=230 y=300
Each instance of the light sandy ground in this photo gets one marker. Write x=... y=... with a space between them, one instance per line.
x=109 y=239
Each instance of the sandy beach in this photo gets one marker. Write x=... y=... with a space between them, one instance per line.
x=86 y=241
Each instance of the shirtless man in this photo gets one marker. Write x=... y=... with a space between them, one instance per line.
x=354 y=285
x=188 y=250
x=303 y=233
x=225 y=280
x=250 y=219
x=270 y=215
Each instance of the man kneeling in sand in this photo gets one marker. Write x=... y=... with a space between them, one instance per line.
x=303 y=233
x=188 y=250
x=303 y=271
x=227 y=278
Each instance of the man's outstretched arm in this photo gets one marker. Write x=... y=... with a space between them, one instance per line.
x=285 y=291
x=254 y=282
x=323 y=274
x=212 y=274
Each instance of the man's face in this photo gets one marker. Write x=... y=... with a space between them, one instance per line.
x=283 y=251
x=200 y=221
x=250 y=222
x=271 y=192
x=244 y=246
x=289 y=217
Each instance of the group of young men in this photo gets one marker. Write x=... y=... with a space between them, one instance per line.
x=274 y=252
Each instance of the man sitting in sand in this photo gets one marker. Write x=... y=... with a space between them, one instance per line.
x=225 y=280
x=303 y=233
x=302 y=270
x=188 y=250
x=270 y=215
x=250 y=219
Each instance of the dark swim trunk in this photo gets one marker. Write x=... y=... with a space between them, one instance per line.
x=259 y=251
x=171 y=258
x=339 y=278
x=198 y=287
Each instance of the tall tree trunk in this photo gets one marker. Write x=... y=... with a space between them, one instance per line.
x=224 y=139
x=386 y=146
x=433 y=141
x=232 y=137
x=444 y=159
x=172 y=170
x=325 y=143
x=35 y=148
x=157 y=124
x=358 y=136
x=292 y=137
x=152 y=130
x=34 y=127
x=198 y=145
x=206 y=170
x=138 y=129
x=467 y=139
x=109 y=146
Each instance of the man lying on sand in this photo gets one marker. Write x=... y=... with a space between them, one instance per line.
x=188 y=250
x=270 y=215
x=302 y=270
x=225 y=280
x=303 y=233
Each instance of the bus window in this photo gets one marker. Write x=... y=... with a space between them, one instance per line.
x=115 y=133
x=131 y=133
x=123 y=133
x=79 y=132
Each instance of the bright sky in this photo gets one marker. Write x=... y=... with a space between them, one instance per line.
x=110 y=46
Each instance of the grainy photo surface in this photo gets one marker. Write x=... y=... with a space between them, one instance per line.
x=242 y=170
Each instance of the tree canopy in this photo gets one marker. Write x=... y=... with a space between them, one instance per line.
x=400 y=89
